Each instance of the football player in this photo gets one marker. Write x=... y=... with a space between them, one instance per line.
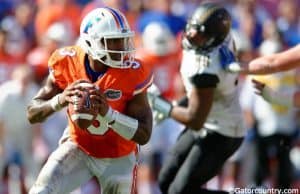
x=107 y=148
x=213 y=117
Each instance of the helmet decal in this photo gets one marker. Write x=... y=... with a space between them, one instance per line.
x=90 y=24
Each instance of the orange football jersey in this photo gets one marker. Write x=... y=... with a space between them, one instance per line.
x=119 y=85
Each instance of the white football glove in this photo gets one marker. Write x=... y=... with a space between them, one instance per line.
x=161 y=108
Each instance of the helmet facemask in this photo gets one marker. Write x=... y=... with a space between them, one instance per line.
x=101 y=49
x=201 y=41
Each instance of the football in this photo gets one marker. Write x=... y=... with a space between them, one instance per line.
x=81 y=112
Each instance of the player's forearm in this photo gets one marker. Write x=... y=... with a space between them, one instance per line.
x=143 y=133
x=273 y=63
x=186 y=117
x=136 y=128
x=199 y=105
x=39 y=110
x=262 y=65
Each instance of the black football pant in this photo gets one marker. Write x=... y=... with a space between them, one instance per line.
x=194 y=160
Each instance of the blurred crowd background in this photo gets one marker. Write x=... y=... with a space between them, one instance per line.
x=30 y=30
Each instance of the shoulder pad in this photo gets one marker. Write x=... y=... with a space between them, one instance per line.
x=58 y=63
x=61 y=55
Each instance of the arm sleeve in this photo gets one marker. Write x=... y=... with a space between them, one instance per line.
x=205 y=80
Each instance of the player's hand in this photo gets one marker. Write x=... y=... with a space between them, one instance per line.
x=161 y=108
x=98 y=101
x=74 y=89
x=258 y=87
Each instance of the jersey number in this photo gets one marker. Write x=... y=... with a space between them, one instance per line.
x=67 y=52
x=99 y=126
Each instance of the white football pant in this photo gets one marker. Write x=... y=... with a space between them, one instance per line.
x=68 y=167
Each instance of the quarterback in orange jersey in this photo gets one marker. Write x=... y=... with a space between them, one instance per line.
x=106 y=148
